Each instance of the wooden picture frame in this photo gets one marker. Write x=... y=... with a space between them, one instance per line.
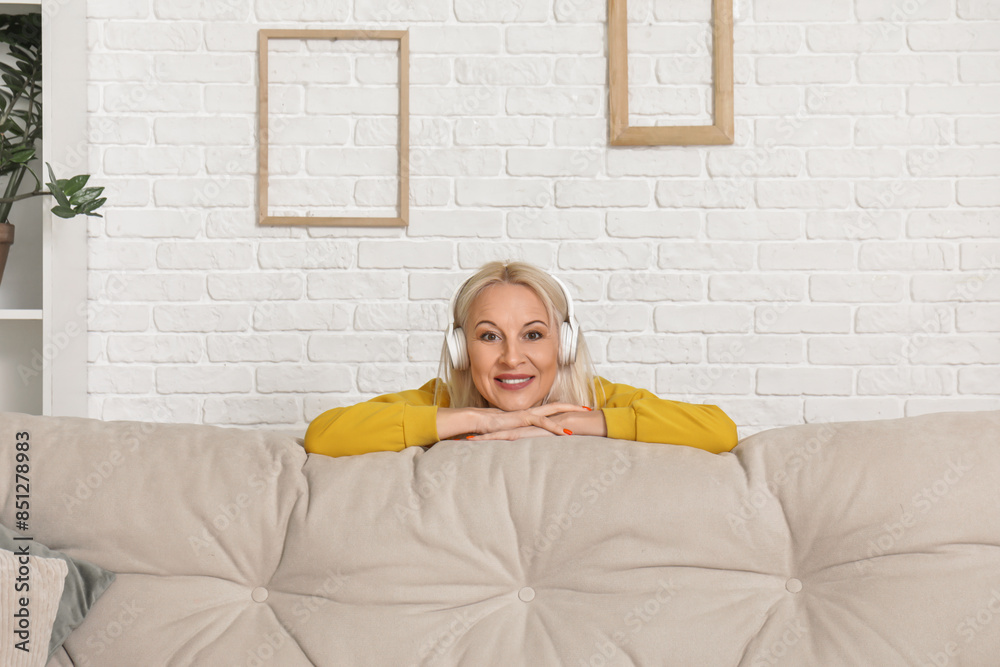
x=721 y=130
x=402 y=220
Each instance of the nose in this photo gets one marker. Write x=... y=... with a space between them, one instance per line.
x=512 y=354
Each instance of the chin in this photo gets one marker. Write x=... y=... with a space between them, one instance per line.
x=511 y=406
x=512 y=403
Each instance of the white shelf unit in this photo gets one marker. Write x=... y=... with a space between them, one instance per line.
x=43 y=296
x=22 y=314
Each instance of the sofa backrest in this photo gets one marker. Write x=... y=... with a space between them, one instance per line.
x=850 y=543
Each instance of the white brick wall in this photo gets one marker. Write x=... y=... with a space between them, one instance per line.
x=838 y=262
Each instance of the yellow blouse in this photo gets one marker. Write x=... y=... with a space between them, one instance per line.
x=409 y=418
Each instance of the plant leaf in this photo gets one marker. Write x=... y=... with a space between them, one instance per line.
x=64 y=211
x=85 y=195
x=15 y=84
x=56 y=189
x=22 y=53
x=38 y=181
x=10 y=70
x=91 y=206
x=22 y=155
x=74 y=184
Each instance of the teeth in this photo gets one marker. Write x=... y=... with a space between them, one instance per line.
x=521 y=381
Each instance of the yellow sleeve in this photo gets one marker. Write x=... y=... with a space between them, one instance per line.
x=385 y=423
x=638 y=414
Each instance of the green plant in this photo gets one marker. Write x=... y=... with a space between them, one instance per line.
x=21 y=124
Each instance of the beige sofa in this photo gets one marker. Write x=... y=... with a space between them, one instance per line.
x=863 y=543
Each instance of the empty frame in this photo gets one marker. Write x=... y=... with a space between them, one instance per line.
x=721 y=130
x=365 y=146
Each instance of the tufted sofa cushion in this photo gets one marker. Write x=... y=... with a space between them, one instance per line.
x=827 y=544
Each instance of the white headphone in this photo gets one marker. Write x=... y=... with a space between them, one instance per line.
x=569 y=333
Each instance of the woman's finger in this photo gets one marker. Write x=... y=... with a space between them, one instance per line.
x=512 y=434
x=549 y=409
x=495 y=420
x=499 y=435
x=549 y=425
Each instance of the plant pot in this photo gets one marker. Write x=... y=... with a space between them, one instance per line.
x=6 y=239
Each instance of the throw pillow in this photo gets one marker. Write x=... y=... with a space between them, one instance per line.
x=30 y=588
x=85 y=583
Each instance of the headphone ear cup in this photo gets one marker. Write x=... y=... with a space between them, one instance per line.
x=567 y=343
x=456 y=349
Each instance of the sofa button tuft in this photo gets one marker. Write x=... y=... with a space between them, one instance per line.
x=526 y=594
x=259 y=594
x=793 y=585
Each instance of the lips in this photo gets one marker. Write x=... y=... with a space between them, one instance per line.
x=513 y=382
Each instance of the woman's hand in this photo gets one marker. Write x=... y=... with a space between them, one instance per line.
x=576 y=420
x=542 y=420
x=542 y=417
x=514 y=434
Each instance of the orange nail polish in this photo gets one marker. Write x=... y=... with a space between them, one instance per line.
x=468 y=437
x=567 y=431
x=585 y=407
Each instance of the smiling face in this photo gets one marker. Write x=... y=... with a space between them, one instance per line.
x=509 y=337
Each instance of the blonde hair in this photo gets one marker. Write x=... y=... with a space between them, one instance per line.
x=574 y=383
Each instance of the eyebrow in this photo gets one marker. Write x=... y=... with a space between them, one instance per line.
x=524 y=326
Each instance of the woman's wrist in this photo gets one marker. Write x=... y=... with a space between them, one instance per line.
x=455 y=421
x=584 y=423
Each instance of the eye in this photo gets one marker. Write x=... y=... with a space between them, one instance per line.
x=540 y=335
x=485 y=336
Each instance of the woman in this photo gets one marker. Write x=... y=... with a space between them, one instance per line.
x=517 y=367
